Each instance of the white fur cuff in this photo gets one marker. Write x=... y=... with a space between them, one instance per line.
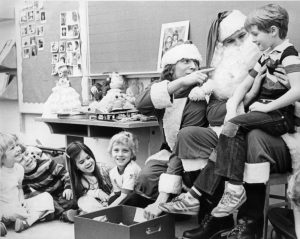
x=292 y=141
x=257 y=172
x=190 y=165
x=159 y=95
x=169 y=183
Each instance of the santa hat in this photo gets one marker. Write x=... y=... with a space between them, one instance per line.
x=232 y=23
x=182 y=51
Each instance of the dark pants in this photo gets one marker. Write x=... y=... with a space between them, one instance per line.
x=61 y=204
x=232 y=145
x=262 y=147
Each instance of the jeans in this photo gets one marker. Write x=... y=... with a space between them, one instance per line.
x=232 y=146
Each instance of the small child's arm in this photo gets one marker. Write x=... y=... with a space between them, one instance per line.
x=237 y=98
x=98 y=193
x=241 y=91
x=61 y=173
x=119 y=199
x=253 y=92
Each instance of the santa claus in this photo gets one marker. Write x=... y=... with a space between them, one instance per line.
x=232 y=56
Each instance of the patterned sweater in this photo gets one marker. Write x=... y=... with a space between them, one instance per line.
x=48 y=176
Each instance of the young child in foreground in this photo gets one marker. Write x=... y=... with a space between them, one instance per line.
x=286 y=221
x=123 y=149
x=13 y=207
x=294 y=195
x=90 y=179
x=45 y=175
x=273 y=111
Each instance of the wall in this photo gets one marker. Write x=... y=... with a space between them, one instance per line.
x=29 y=130
x=24 y=125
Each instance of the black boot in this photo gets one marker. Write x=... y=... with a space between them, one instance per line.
x=211 y=228
x=245 y=229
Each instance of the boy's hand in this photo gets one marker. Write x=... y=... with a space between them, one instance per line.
x=102 y=195
x=281 y=75
x=152 y=211
x=68 y=194
x=257 y=106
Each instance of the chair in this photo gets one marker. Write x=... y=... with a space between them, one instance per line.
x=275 y=179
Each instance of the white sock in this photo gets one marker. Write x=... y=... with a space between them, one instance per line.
x=237 y=188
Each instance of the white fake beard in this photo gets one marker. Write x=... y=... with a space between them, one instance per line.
x=232 y=65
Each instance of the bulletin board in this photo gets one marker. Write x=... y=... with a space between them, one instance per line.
x=122 y=36
x=34 y=73
x=125 y=36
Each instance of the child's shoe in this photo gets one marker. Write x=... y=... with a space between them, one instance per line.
x=230 y=202
x=69 y=215
x=21 y=225
x=183 y=204
x=3 y=229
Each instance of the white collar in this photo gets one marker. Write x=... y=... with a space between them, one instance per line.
x=278 y=49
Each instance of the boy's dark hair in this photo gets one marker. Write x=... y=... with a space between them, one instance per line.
x=267 y=16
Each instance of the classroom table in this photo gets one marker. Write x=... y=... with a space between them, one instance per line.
x=148 y=132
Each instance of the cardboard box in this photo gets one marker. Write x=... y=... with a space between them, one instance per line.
x=162 y=227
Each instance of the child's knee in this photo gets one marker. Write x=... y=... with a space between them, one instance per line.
x=230 y=129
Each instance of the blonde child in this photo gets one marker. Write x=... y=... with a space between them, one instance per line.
x=89 y=179
x=13 y=206
x=123 y=149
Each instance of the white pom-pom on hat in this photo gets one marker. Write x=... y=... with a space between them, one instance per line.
x=232 y=23
x=182 y=51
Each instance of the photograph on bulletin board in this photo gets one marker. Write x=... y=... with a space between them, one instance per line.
x=69 y=25
x=171 y=34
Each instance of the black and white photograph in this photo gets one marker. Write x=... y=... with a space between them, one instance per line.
x=149 y=119
x=171 y=34
x=26 y=52
x=54 y=46
x=41 y=43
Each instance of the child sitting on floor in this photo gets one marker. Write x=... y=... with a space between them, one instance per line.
x=123 y=148
x=294 y=195
x=285 y=221
x=90 y=179
x=45 y=175
x=13 y=206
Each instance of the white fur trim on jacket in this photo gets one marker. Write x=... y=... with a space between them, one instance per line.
x=190 y=165
x=160 y=96
x=169 y=183
x=163 y=155
x=183 y=51
x=172 y=121
x=257 y=172
x=293 y=143
x=232 y=23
